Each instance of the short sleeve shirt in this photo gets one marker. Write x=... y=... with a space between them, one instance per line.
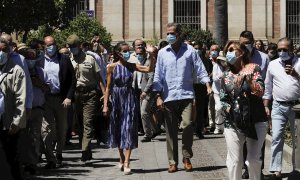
x=86 y=70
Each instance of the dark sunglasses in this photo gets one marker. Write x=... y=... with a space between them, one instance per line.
x=171 y=33
x=282 y=49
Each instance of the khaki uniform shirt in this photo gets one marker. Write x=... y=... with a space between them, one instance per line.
x=13 y=87
x=86 y=70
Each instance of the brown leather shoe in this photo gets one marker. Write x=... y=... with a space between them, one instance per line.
x=172 y=168
x=187 y=165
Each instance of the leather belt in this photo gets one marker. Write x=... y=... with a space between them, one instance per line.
x=85 y=88
x=288 y=103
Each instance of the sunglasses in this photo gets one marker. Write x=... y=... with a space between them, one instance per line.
x=282 y=50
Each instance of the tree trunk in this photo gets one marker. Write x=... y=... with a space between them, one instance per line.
x=221 y=22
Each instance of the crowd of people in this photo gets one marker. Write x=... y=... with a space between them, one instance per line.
x=50 y=93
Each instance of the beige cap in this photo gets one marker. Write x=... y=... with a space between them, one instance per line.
x=221 y=56
x=22 y=46
x=73 y=40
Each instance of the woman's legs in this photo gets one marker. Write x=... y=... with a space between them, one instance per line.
x=122 y=157
x=254 y=151
x=127 y=157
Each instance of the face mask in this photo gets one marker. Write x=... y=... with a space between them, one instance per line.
x=140 y=58
x=214 y=54
x=171 y=38
x=51 y=50
x=249 y=47
x=230 y=56
x=284 y=55
x=126 y=55
x=31 y=63
x=74 y=50
x=3 y=57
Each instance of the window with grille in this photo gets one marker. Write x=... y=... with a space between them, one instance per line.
x=293 y=20
x=188 y=12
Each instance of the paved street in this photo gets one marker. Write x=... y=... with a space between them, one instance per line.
x=149 y=162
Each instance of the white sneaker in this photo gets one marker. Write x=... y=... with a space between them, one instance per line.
x=120 y=166
x=218 y=131
x=127 y=169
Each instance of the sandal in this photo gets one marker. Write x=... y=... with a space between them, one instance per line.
x=127 y=169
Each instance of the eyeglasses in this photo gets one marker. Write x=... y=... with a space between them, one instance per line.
x=282 y=50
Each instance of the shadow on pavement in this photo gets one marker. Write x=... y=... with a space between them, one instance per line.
x=144 y=171
x=209 y=168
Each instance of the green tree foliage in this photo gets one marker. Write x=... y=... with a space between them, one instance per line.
x=82 y=25
x=24 y=15
x=197 y=35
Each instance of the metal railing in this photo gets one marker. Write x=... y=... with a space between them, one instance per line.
x=188 y=12
x=293 y=20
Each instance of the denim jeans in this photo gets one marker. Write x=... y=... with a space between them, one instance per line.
x=281 y=114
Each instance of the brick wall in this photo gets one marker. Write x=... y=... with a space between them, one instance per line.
x=99 y=10
x=276 y=19
x=164 y=17
x=211 y=15
x=249 y=15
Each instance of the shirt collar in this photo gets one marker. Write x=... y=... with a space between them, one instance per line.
x=50 y=59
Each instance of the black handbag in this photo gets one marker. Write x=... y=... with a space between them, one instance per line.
x=240 y=111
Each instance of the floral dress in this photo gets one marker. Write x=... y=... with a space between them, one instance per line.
x=253 y=85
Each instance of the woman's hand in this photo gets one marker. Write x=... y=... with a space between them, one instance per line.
x=105 y=111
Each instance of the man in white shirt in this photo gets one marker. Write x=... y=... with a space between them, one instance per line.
x=282 y=85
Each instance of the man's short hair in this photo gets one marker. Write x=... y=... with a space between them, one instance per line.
x=247 y=34
x=176 y=25
x=290 y=42
x=133 y=43
x=4 y=41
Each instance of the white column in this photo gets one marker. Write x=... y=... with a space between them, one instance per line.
x=282 y=18
x=259 y=19
x=92 y=6
x=113 y=18
x=203 y=15
x=171 y=10
x=236 y=18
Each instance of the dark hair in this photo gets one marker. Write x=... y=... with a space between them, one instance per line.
x=86 y=44
x=290 y=42
x=177 y=27
x=34 y=43
x=262 y=47
x=248 y=35
x=133 y=43
x=118 y=46
x=162 y=44
x=272 y=46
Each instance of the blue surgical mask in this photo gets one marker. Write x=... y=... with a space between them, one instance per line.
x=31 y=63
x=249 y=47
x=140 y=58
x=3 y=57
x=214 y=54
x=51 y=50
x=231 y=58
x=284 y=55
x=74 y=50
x=126 y=55
x=171 y=38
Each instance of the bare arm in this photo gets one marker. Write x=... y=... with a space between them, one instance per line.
x=110 y=68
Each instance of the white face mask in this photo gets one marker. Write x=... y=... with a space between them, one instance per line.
x=3 y=57
x=284 y=55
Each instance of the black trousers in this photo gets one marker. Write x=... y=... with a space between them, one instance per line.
x=10 y=146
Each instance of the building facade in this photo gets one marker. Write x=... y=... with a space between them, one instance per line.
x=130 y=19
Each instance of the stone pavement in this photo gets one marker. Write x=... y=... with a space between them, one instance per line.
x=149 y=162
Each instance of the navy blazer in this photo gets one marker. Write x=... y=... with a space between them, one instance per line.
x=66 y=75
